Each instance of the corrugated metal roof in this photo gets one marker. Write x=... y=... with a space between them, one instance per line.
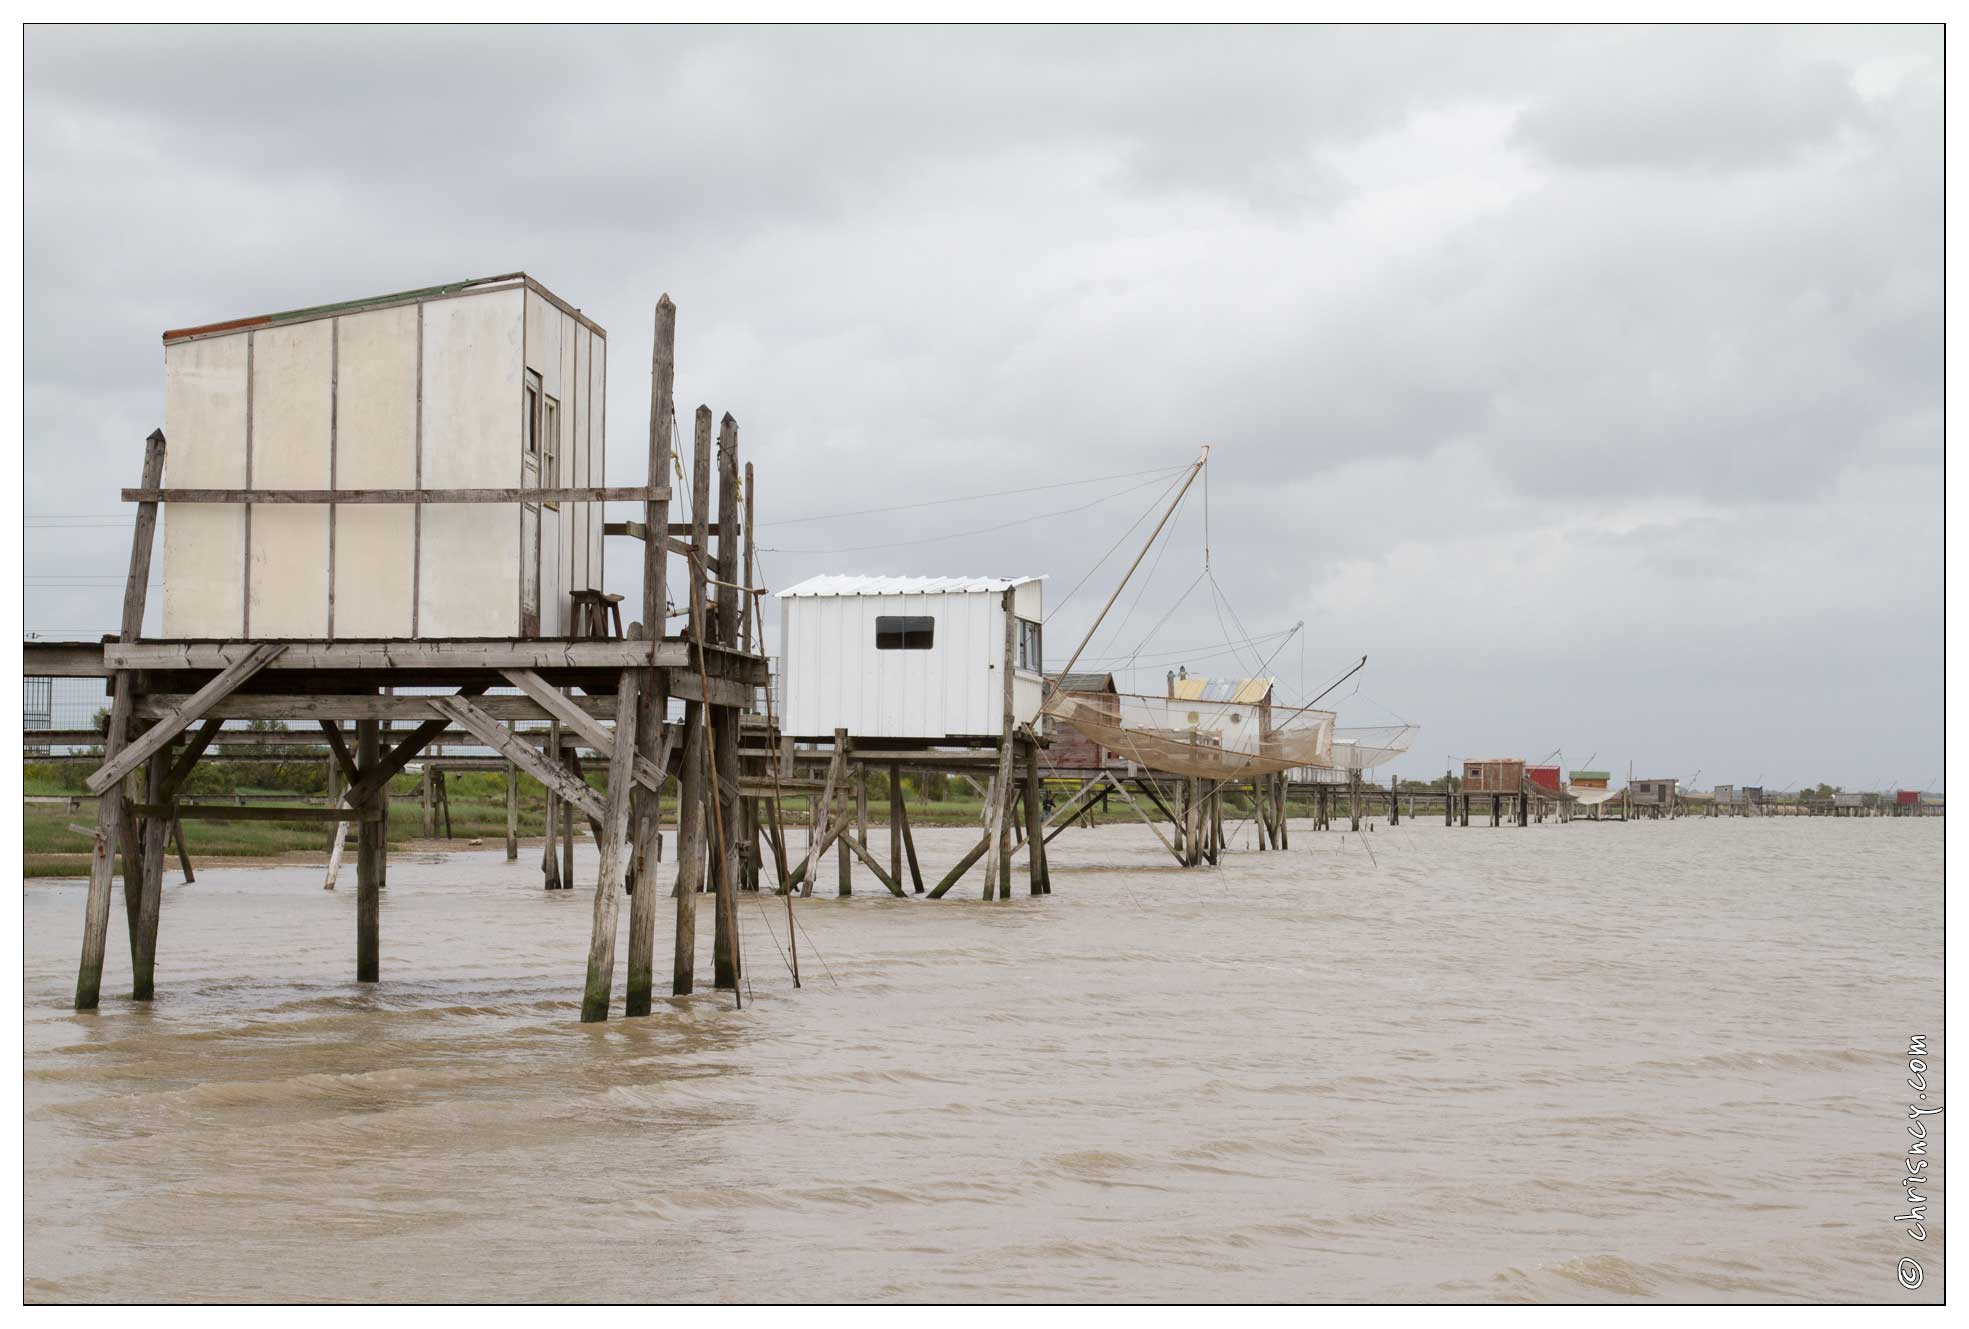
x=1240 y=691
x=855 y=584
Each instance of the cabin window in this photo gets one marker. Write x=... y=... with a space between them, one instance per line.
x=904 y=632
x=1029 y=658
x=532 y=424
x=550 y=445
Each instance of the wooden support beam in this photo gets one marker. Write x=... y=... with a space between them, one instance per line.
x=641 y=981
x=342 y=497
x=389 y=767
x=170 y=726
x=726 y=804
x=868 y=860
x=615 y=828
x=956 y=874
x=523 y=755
x=109 y=809
x=372 y=844
x=188 y=759
x=814 y=848
x=332 y=730
x=650 y=772
x=393 y=656
x=909 y=842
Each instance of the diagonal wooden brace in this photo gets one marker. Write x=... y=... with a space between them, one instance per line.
x=191 y=710
x=522 y=754
x=649 y=774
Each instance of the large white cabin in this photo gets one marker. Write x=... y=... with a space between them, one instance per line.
x=488 y=384
x=909 y=657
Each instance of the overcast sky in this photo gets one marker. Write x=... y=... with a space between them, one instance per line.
x=1588 y=381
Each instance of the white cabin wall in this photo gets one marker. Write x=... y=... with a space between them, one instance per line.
x=578 y=457
x=293 y=380
x=375 y=448
x=472 y=416
x=835 y=676
x=205 y=448
x=546 y=330
x=597 y=455
x=564 y=525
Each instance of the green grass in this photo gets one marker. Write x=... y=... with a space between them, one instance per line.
x=51 y=849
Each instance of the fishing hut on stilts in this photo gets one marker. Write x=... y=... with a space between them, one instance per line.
x=383 y=512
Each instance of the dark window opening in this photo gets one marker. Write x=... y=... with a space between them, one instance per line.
x=904 y=632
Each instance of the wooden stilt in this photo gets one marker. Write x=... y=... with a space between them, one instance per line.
x=908 y=841
x=690 y=849
x=818 y=810
x=512 y=813
x=895 y=821
x=615 y=827
x=372 y=834
x=725 y=961
x=641 y=980
x=109 y=807
x=550 y=859
x=567 y=821
x=149 y=880
x=184 y=859
x=1035 y=830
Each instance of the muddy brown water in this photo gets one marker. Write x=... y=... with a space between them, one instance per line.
x=1585 y=1062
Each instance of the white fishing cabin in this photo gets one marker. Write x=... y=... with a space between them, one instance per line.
x=495 y=383
x=909 y=657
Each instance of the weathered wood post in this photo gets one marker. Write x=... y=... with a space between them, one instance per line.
x=655 y=695
x=1449 y=798
x=725 y=719
x=372 y=833
x=615 y=826
x=895 y=820
x=512 y=813
x=109 y=805
x=998 y=859
x=844 y=873
x=570 y=761
x=550 y=859
x=1035 y=822
x=693 y=794
x=430 y=823
x=1394 y=801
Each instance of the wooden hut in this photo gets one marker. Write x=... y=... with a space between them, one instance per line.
x=1494 y=775
x=1070 y=750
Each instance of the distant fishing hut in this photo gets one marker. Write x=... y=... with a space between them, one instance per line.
x=1652 y=798
x=1499 y=778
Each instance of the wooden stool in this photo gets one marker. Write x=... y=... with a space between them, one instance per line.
x=595 y=613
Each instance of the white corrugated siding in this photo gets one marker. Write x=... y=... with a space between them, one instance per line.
x=836 y=678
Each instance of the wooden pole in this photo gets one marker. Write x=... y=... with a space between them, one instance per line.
x=726 y=799
x=615 y=827
x=567 y=822
x=895 y=821
x=998 y=862
x=150 y=881
x=1035 y=830
x=908 y=842
x=696 y=795
x=655 y=696
x=371 y=837
x=512 y=813
x=690 y=850
x=550 y=859
x=109 y=807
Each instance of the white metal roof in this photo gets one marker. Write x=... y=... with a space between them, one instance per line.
x=851 y=584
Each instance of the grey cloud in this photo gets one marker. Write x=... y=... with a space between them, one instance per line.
x=1452 y=304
